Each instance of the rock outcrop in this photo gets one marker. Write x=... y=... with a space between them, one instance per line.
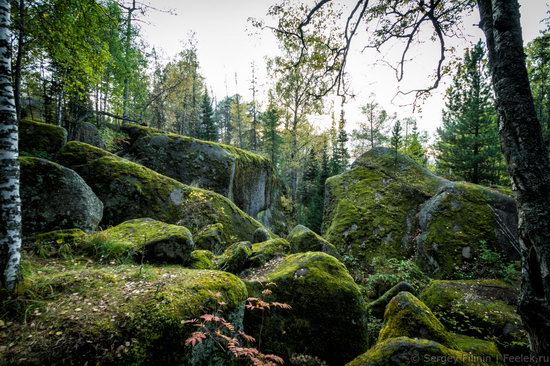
x=244 y=177
x=117 y=315
x=484 y=309
x=129 y=190
x=411 y=334
x=303 y=239
x=392 y=207
x=88 y=133
x=326 y=319
x=54 y=197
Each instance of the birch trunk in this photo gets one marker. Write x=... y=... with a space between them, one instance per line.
x=10 y=201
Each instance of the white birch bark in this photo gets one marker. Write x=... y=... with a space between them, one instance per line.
x=10 y=201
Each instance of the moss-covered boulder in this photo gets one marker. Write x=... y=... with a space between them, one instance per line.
x=40 y=139
x=129 y=190
x=113 y=315
x=143 y=239
x=212 y=238
x=480 y=308
x=326 y=319
x=88 y=133
x=402 y=351
x=260 y=235
x=202 y=259
x=392 y=207
x=54 y=243
x=245 y=178
x=235 y=258
x=268 y=250
x=406 y=316
x=54 y=197
x=378 y=306
x=75 y=154
x=459 y=223
x=303 y=239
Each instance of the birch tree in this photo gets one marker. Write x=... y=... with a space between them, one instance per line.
x=10 y=201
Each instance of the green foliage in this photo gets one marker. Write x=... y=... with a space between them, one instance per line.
x=114 y=140
x=388 y=272
x=468 y=146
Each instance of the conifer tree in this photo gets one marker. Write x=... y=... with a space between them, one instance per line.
x=468 y=146
x=270 y=122
x=396 y=139
x=208 y=129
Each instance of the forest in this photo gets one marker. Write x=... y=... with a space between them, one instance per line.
x=148 y=219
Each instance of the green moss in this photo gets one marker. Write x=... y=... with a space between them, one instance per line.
x=461 y=218
x=142 y=239
x=370 y=211
x=487 y=350
x=302 y=239
x=125 y=315
x=406 y=316
x=36 y=138
x=202 y=259
x=480 y=308
x=213 y=238
x=314 y=284
x=235 y=258
x=129 y=190
x=54 y=243
x=267 y=250
x=76 y=153
x=405 y=351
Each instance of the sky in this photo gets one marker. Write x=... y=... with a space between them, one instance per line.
x=228 y=44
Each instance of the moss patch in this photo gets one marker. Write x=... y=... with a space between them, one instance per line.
x=40 y=139
x=315 y=285
x=213 y=238
x=303 y=239
x=407 y=351
x=202 y=259
x=267 y=250
x=406 y=316
x=142 y=240
x=76 y=153
x=74 y=312
x=480 y=308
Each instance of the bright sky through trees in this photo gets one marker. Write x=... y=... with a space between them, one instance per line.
x=226 y=47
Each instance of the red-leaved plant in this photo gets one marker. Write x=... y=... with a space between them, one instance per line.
x=213 y=326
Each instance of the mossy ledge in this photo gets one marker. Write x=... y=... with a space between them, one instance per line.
x=73 y=312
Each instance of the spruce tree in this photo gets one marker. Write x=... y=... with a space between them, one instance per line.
x=396 y=140
x=413 y=146
x=467 y=145
x=208 y=129
x=271 y=140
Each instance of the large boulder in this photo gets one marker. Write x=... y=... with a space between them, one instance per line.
x=303 y=239
x=40 y=139
x=460 y=221
x=54 y=197
x=406 y=316
x=411 y=334
x=245 y=178
x=143 y=240
x=480 y=308
x=129 y=190
x=326 y=319
x=401 y=351
x=393 y=207
x=88 y=133
x=116 y=315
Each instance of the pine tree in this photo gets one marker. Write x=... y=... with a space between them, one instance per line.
x=208 y=129
x=396 y=139
x=468 y=145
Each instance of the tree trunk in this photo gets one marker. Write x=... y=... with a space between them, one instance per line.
x=19 y=58
x=126 y=92
x=528 y=164
x=10 y=201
